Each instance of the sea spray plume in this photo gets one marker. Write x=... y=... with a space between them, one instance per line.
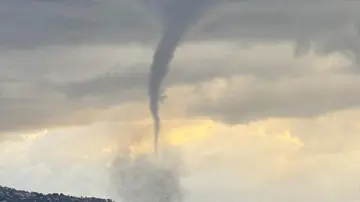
x=178 y=16
x=145 y=179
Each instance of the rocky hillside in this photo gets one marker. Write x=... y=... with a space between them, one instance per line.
x=12 y=195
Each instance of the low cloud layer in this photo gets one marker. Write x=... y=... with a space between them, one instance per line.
x=301 y=97
x=41 y=91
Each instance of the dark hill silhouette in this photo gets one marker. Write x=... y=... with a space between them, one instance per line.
x=13 y=195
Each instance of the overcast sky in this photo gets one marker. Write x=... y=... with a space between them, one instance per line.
x=263 y=97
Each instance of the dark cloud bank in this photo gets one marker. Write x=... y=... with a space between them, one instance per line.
x=33 y=27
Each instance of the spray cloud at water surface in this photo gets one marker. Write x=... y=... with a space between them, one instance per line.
x=145 y=179
x=177 y=17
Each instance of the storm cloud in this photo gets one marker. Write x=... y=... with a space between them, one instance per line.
x=60 y=58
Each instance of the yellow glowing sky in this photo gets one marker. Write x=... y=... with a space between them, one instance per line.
x=264 y=151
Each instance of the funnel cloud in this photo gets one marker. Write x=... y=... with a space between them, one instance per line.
x=177 y=17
